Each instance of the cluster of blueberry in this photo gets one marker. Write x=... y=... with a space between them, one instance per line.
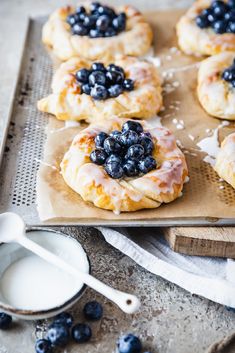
x=101 y=21
x=125 y=153
x=102 y=83
x=58 y=334
x=220 y=16
x=229 y=74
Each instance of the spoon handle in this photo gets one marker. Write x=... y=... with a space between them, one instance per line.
x=127 y=302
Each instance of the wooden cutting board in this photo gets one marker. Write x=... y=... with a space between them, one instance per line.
x=202 y=241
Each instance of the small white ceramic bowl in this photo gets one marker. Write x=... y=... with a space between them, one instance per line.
x=61 y=244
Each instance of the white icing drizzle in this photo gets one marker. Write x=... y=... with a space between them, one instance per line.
x=210 y=145
x=46 y=164
x=156 y=121
x=71 y=123
x=191 y=137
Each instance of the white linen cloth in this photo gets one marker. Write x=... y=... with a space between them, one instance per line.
x=212 y=278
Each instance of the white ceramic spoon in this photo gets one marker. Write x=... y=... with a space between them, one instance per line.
x=12 y=230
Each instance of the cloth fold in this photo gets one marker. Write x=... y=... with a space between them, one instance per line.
x=212 y=278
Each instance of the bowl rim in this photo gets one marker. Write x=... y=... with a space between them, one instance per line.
x=59 y=308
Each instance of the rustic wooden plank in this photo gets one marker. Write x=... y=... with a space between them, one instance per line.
x=203 y=241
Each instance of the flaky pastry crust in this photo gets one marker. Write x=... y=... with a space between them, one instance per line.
x=67 y=103
x=135 y=40
x=215 y=94
x=225 y=162
x=159 y=186
x=196 y=41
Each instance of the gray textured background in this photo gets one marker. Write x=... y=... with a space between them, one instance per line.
x=171 y=320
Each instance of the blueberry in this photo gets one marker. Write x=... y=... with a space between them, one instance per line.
x=72 y=19
x=43 y=346
x=147 y=164
x=230 y=15
x=227 y=75
x=64 y=318
x=119 y=22
x=98 y=156
x=58 y=334
x=94 y=6
x=206 y=12
x=5 y=321
x=112 y=146
x=105 y=10
x=80 y=30
x=82 y=75
x=211 y=18
x=95 y=33
x=103 y=22
x=231 y=27
x=132 y=125
x=86 y=88
x=97 y=78
x=135 y=152
x=114 y=170
x=231 y=3
x=113 y=158
x=129 y=344
x=89 y=21
x=233 y=83
x=98 y=67
x=145 y=134
x=130 y=168
x=110 y=32
x=220 y=26
x=116 y=135
x=81 y=333
x=99 y=92
x=219 y=8
x=147 y=143
x=129 y=138
x=80 y=9
x=114 y=77
x=128 y=84
x=99 y=139
x=93 y=310
x=202 y=21
x=115 y=68
x=115 y=91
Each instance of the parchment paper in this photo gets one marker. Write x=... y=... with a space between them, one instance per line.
x=204 y=196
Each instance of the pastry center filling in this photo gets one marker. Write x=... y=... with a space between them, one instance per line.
x=102 y=83
x=100 y=21
x=229 y=74
x=125 y=153
x=220 y=16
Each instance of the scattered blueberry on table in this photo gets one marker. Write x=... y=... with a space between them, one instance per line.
x=126 y=153
x=5 y=321
x=129 y=343
x=64 y=318
x=102 y=82
x=99 y=21
x=81 y=333
x=62 y=329
x=58 y=334
x=93 y=310
x=220 y=16
x=43 y=346
x=229 y=74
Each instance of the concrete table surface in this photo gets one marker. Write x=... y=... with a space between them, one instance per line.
x=171 y=320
